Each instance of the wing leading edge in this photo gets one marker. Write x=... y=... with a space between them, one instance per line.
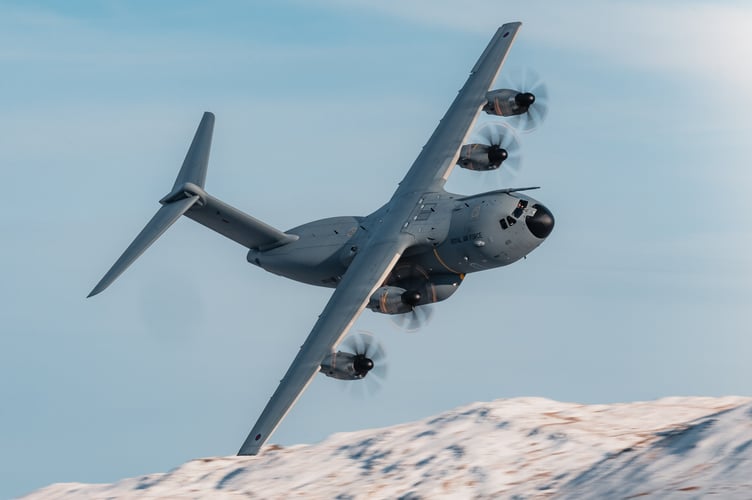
x=435 y=162
x=366 y=273
x=377 y=258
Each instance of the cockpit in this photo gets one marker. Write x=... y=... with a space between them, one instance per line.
x=539 y=219
x=511 y=220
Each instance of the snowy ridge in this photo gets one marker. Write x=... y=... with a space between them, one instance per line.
x=518 y=448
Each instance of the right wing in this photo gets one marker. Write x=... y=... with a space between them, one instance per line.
x=366 y=273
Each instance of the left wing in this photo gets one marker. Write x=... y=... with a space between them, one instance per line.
x=365 y=274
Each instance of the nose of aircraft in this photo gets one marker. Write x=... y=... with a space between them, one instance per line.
x=542 y=223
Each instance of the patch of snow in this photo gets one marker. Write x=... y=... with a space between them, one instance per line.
x=515 y=448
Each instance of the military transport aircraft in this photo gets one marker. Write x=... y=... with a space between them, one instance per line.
x=413 y=251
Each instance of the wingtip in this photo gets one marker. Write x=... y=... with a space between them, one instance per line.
x=248 y=450
x=508 y=26
x=98 y=289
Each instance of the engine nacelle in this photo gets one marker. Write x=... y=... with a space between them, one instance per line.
x=346 y=366
x=391 y=300
x=508 y=102
x=480 y=157
x=396 y=299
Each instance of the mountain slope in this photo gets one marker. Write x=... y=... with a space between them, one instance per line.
x=525 y=447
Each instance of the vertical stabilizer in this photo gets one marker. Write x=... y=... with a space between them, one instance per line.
x=197 y=158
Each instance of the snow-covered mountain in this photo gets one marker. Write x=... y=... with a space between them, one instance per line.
x=515 y=448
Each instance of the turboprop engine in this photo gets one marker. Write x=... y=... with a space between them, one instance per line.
x=508 y=102
x=527 y=106
x=346 y=366
x=367 y=355
x=482 y=157
x=410 y=289
x=497 y=144
x=394 y=300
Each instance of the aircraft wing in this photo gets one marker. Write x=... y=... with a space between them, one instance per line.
x=431 y=169
x=388 y=240
x=365 y=274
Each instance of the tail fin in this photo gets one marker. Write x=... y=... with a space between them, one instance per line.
x=180 y=200
x=189 y=198
x=197 y=158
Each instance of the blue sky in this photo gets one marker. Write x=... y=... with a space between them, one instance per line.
x=642 y=291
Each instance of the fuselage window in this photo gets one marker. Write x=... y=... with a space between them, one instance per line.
x=503 y=224
x=521 y=206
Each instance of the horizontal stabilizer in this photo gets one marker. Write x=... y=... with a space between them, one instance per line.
x=164 y=218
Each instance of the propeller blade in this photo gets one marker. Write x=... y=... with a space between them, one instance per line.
x=427 y=312
x=414 y=320
x=525 y=78
x=355 y=388
x=372 y=385
x=351 y=344
x=379 y=371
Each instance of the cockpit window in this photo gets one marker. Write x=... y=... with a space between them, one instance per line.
x=503 y=224
x=521 y=206
x=511 y=221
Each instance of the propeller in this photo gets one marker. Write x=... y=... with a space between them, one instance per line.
x=533 y=95
x=415 y=280
x=370 y=358
x=504 y=146
x=501 y=137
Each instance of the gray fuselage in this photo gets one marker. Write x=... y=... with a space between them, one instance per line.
x=456 y=235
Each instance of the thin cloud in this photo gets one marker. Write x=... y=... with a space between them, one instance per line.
x=703 y=40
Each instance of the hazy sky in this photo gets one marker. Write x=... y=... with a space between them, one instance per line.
x=642 y=291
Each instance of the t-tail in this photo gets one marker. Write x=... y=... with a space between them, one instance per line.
x=189 y=198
